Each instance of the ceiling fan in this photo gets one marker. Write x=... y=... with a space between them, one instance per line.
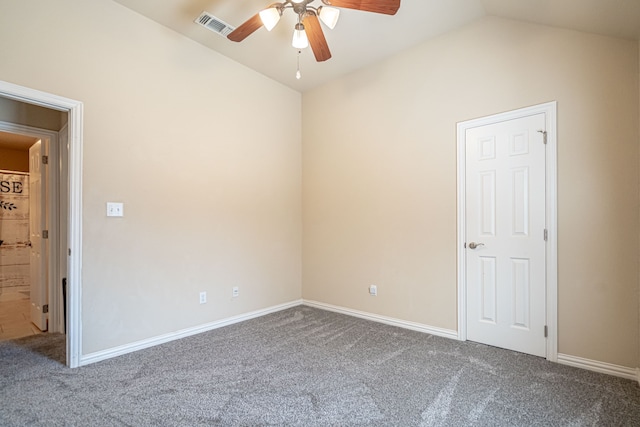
x=308 y=30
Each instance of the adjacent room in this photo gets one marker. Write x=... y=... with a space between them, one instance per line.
x=326 y=204
x=15 y=317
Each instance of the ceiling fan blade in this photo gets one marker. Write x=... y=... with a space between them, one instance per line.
x=316 y=37
x=246 y=29
x=388 y=7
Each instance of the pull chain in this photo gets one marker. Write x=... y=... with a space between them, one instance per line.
x=298 y=75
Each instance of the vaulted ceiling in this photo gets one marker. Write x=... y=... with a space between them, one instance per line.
x=362 y=38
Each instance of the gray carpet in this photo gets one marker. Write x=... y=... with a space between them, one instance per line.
x=307 y=367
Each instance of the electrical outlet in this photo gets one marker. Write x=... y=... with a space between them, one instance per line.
x=373 y=290
x=235 y=291
x=203 y=297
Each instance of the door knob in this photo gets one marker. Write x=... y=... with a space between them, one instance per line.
x=474 y=245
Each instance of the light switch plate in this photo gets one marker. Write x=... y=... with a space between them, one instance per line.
x=115 y=209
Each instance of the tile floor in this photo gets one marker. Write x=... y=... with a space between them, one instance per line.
x=14 y=314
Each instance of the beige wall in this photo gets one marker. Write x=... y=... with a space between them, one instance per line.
x=195 y=147
x=379 y=176
x=14 y=160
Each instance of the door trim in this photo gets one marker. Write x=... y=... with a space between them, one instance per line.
x=551 y=218
x=74 y=261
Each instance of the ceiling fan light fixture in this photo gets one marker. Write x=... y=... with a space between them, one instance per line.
x=270 y=17
x=300 y=40
x=308 y=32
x=329 y=16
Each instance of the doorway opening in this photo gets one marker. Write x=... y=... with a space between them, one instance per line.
x=496 y=288
x=31 y=264
x=66 y=217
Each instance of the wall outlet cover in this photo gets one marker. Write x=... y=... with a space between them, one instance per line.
x=115 y=209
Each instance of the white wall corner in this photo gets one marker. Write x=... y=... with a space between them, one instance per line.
x=414 y=326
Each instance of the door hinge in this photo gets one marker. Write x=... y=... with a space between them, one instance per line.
x=45 y=160
x=546 y=331
x=45 y=308
x=546 y=235
x=45 y=234
x=544 y=136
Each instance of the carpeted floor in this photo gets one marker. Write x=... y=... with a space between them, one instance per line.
x=307 y=367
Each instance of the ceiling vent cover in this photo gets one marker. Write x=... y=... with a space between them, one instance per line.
x=214 y=24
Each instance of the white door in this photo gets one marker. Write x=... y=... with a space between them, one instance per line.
x=37 y=223
x=505 y=234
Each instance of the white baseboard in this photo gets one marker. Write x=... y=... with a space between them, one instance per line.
x=161 y=339
x=441 y=332
x=602 y=367
x=565 y=359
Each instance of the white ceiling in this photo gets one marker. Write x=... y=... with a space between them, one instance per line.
x=362 y=38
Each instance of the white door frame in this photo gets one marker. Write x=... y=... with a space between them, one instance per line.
x=549 y=109
x=74 y=240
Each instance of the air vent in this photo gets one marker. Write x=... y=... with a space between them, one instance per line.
x=214 y=24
